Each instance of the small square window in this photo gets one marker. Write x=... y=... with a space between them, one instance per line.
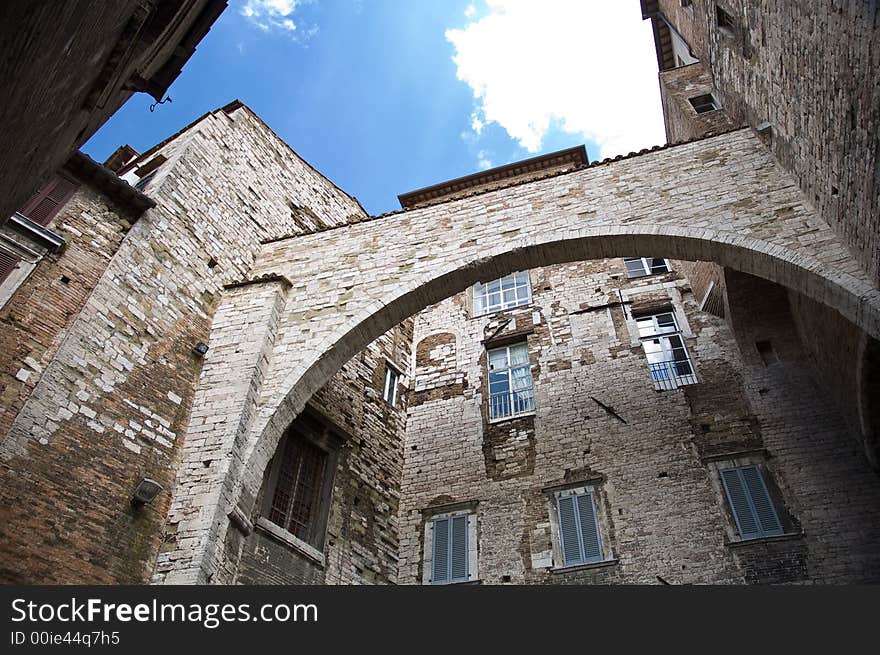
x=451 y=548
x=768 y=355
x=511 y=391
x=642 y=266
x=389 y=391
x=724 y=21
x=753 y=510
x=510 y=291
x=704 y=103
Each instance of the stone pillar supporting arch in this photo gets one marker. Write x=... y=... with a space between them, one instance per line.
x=350 y=285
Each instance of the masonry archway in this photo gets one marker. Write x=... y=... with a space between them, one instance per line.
x=840 y=291
x=343 y=288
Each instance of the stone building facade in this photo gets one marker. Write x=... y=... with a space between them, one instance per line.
x=663 y=368
x=68 y=65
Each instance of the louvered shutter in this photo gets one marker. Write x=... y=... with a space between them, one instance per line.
x=752 y=508
x=589 y=528
x=568 y=530
x=440 y=566
x=8 y=262
x=459 y=549
x=768 y=521
x=44 y=204
x=739 y=503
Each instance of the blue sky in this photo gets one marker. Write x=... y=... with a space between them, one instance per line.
x=387 y=96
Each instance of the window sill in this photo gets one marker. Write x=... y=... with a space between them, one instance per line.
x=501 y=311
x=788 y=536
x=463 y=583
x=585 y=567
x=512 y=417
x=283 y=536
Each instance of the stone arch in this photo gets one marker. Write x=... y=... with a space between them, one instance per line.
x=853 y=298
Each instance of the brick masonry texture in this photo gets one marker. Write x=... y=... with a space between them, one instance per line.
x=304 y=300
x=66 y=68
x=804 y=66
x=660 y=512
x=112 y=373
x=352 y=283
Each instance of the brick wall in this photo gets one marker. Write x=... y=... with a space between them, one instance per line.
x=649 y=453
x=683 y=123
x=361 y=544
x=803 y=67
x=112 y=402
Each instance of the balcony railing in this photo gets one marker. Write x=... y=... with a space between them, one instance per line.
x=511 y=403
x=672 y=374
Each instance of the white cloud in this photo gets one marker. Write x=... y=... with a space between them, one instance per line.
x=271 y=14
x=470 y=11
x=483 y=160
x=588 y=67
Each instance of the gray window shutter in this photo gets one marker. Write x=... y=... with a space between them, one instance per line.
x=459 y=548
x=739 y=503
x=589 y=528
x=568 y=531
x=752 y=508
x=440 y=567
x=768 y=521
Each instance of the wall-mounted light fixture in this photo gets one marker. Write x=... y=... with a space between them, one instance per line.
x=200 y=349
x=145 y=492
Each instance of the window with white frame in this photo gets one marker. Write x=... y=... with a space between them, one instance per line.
x=389 y=391
x=451 y=548
x=642 y=266
x=509 y=291
x=750 y=503
x=578 y=535
x=510 y=382
x=668 y=359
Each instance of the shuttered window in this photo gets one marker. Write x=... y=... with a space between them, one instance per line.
x=450 y=550
x=8 y=263
x=578 y=529
x=750 y=502
x=49 y=200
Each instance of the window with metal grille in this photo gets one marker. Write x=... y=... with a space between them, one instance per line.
x=450 y=556
x=642 y=266
x=297 y=497
x=579 y=537
x=509 y=291
x=48 y=201
x=389 y=391
x=510 y=382
x=750 y=502
x=704 y=103
x=664 y=348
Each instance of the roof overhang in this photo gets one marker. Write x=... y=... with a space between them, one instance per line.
x=574 y=157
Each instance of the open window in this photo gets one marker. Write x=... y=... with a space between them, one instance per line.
x=642 y=266
x=668 y=359
x=511 y=390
